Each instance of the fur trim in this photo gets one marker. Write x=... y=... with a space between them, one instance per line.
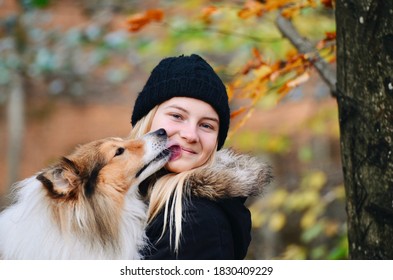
x=231 y=175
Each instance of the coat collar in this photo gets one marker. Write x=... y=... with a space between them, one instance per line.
x=231 y=175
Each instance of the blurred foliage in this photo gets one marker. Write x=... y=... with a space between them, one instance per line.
x=245 y=35
x=67 y=62
x=305 y=211
x=63 y=62
x=319 y=236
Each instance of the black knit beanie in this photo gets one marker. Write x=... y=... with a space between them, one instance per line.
x=184 y=76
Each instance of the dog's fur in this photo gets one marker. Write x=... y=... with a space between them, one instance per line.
x=87 y=205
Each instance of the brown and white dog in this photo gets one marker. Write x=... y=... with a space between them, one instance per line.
x=87 y=205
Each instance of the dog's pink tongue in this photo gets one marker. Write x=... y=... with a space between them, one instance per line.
x=175 y=152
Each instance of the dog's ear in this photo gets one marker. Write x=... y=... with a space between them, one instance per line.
x=67 y=176
x=74 y=176
x=69 y=165
x=61 y=180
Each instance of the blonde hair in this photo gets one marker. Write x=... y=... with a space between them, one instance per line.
x=166 y=187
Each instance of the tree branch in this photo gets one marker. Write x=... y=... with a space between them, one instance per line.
x=303 y=45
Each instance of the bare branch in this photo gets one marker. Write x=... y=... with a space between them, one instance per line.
x=303 y=45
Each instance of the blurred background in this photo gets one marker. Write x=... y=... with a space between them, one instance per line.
x=70 y=71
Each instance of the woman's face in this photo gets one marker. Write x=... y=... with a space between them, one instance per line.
x=192 y=127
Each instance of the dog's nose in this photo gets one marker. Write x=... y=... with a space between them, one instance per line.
x=161 y=132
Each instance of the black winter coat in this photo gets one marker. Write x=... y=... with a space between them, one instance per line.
x=211 y=230
x=216 y=224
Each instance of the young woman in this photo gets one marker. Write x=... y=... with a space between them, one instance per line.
x=196 y=204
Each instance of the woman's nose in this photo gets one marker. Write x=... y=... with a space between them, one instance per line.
x=190 y=134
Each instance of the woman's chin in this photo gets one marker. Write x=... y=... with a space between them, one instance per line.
x=177 y=166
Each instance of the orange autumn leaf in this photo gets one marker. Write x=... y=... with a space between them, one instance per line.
x=297 y=61
x=207 y=12
x=299 y=80
x=257 y=8
x=136 y=22
x=290 y=12
x=155 y=14
x=274 y=75
x=139 y=20
x=230 y=92
x=257 y=54
x=272 y=5
x=262 y=74
x=332 y=59
x=251 y=8
x=288 y=86
x=291 y=8
x=296 y=66
x=288 y=8
x=250 y=65
x=291 y=53
x=253 y=63
x=284 y=89
x=241 y=122
x=329 y=3
x=310 y=3
x=238 y=112
x=276 y=69
x=278 y=65
x=329 y=36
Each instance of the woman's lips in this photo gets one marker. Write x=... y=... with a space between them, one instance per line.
x=175 y=152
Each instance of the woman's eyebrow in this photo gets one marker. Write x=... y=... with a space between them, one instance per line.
x=177 y=107
x=211 y=119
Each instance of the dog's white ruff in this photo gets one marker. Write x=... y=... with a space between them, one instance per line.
x=28 y=230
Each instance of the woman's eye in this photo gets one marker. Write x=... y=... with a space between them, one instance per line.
x=176 y=116
x=119 y=151
x=207 y=126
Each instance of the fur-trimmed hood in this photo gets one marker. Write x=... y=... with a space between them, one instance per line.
x=231 y=175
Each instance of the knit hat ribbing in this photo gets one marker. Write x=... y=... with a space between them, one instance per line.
x=184 y=76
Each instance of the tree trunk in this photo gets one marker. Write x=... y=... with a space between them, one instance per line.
x=15 y=126
x=365 y=101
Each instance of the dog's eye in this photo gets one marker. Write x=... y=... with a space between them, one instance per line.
x=119 y=151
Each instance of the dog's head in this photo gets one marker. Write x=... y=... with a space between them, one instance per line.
x=109 y=166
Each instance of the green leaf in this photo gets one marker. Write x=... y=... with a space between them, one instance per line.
x=305 y=154
x=29 y=4
x=40 y=3
x=312 y=233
